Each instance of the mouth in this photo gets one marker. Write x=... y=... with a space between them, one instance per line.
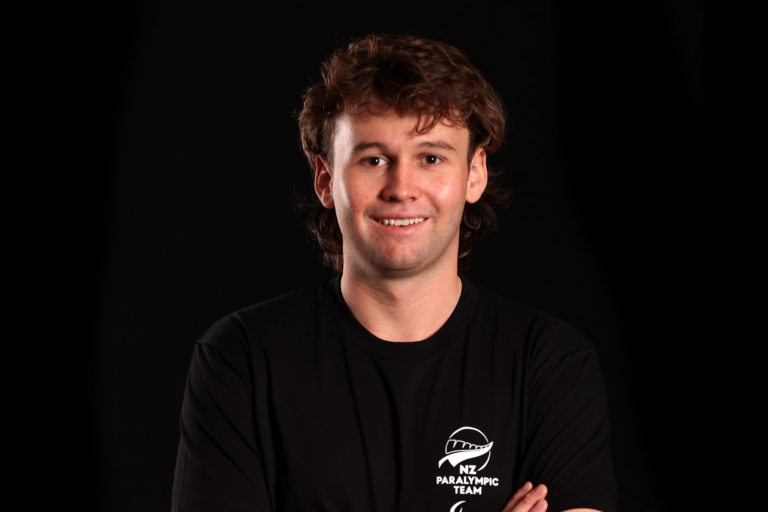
x=401 y=222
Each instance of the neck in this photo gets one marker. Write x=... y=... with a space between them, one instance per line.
x=394 y=308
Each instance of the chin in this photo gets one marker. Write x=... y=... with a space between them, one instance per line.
x=399 y=262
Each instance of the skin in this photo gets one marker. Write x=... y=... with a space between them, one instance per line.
x=402 y=283
x=530 y=498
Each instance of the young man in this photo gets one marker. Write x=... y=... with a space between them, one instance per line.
x=398 y=385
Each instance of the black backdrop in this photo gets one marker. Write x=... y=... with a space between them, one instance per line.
x=197 y=162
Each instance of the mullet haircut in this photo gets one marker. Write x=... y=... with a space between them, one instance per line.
x=414 y=76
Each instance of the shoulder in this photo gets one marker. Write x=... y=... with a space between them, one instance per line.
x=282 y=314
x=539 y=331
x=285 y=316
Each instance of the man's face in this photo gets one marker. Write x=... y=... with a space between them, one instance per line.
x=383 y=171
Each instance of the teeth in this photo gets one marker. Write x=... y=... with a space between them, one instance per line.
x=401 y=222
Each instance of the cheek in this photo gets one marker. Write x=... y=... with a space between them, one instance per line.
x=355 y=196
x=449 y=195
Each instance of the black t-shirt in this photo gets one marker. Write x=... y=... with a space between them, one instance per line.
x=292 y=405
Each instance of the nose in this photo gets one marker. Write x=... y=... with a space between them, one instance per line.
x=401 y=184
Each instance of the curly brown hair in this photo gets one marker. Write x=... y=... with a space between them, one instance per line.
x=415 y=76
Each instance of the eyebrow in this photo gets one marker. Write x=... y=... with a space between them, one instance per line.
x=437 y=144
x=428 y=144
x=366 y=145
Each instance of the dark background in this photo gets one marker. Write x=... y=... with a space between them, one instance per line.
x=194 y=162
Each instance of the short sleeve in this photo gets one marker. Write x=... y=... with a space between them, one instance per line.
x=218 y=467
x=568 y=432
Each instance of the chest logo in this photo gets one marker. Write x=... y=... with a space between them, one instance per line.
x=465 y=444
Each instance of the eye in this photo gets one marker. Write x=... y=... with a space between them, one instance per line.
x=431 y=159
x=374 y=161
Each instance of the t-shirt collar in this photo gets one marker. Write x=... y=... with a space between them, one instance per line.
x=353 y=331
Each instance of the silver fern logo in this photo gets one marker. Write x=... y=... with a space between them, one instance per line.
x=465 y=444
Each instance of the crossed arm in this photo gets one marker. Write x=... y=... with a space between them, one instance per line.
x=529 y=499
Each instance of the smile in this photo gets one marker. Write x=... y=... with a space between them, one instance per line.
x=400 y=222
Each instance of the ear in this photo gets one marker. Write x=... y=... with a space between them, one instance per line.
x=478 y=176
x=324 y=181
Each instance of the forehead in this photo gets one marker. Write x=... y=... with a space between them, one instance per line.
x=389 y=128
